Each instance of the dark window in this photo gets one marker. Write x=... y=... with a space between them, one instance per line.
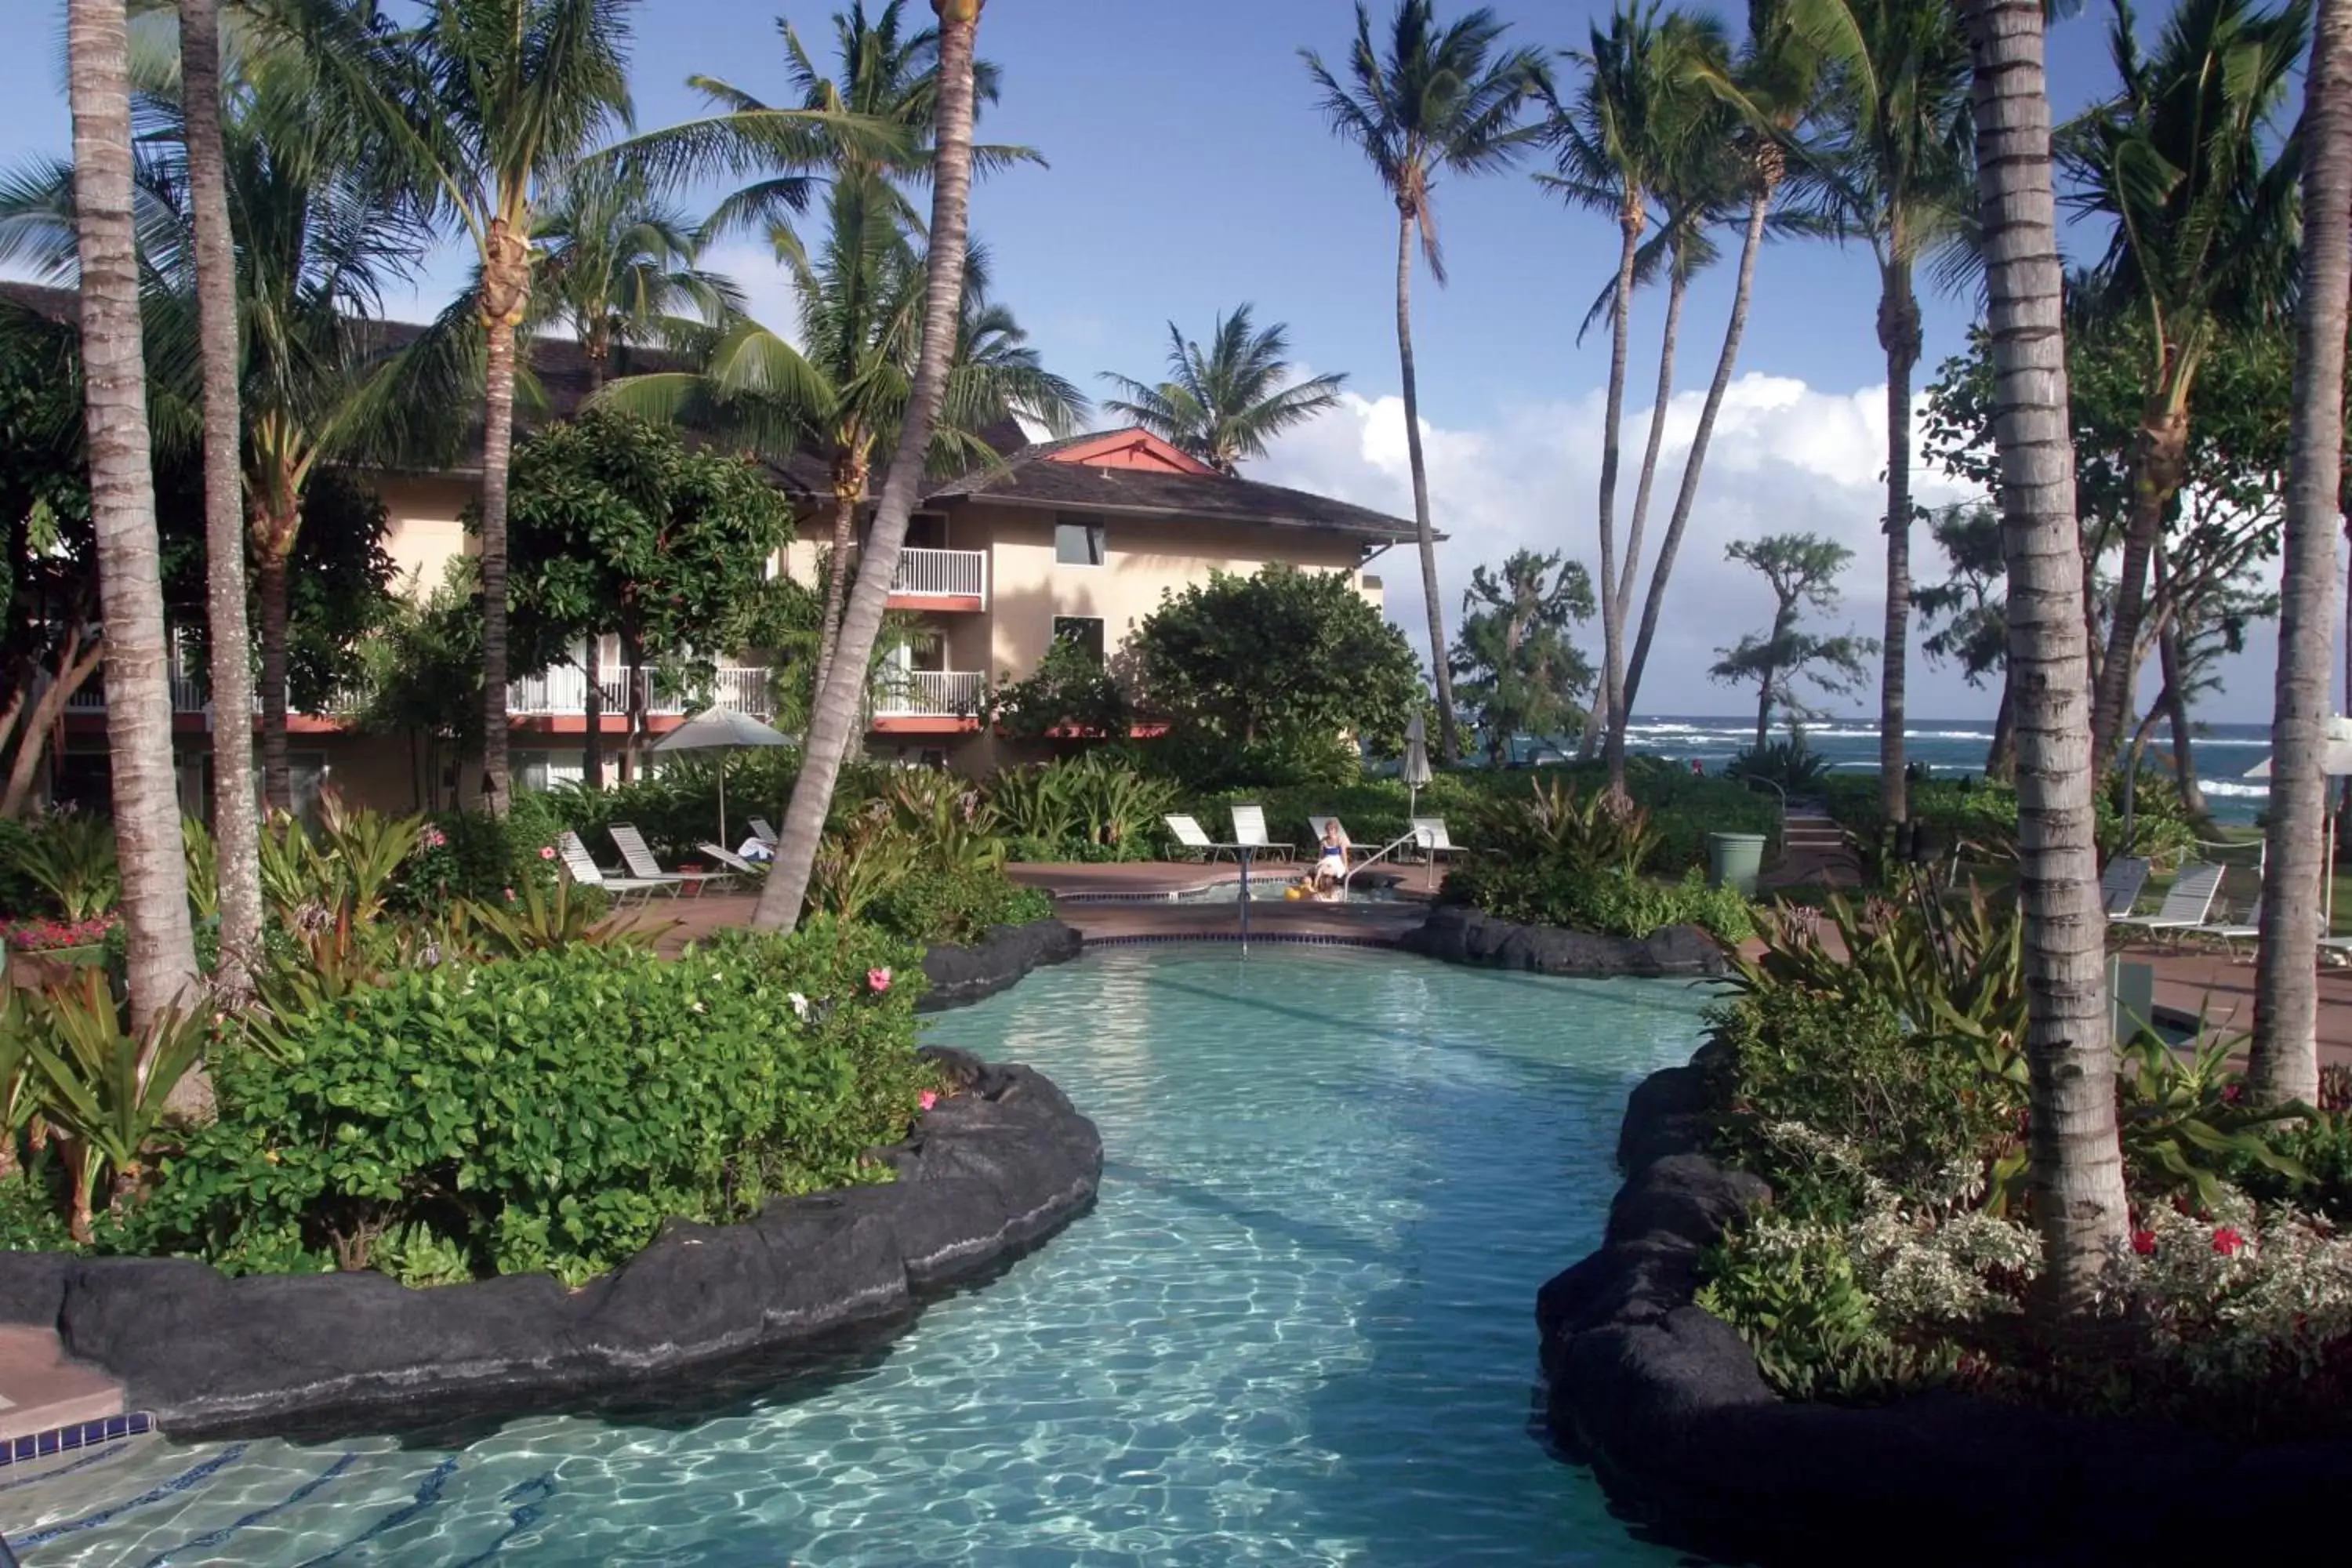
x=1078 y=540
x=1084 y=631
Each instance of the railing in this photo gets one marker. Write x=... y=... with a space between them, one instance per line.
x=941 y=574
x=187 y=694
x=928 y=693
x=563 y=692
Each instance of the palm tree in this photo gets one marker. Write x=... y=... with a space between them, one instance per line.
x=2203 y=201
x=2078 y=1177
x=841 y=700
x=1435 y=102
x=163 y=954
x=1645 y=128
x=1224 y=405
x=2284 y=1062
x=618 y=270
x=236 y=832
x=1894 y=173
x=1771 y=91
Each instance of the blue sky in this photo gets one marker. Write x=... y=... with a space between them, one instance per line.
x=1190 y=172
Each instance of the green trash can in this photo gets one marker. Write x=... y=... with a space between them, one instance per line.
x=1733 y=860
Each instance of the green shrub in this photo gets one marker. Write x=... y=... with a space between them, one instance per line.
x=934 y=904
x=1790 y=764
x=546 y=1112
x=19 y=893
x=1793 y=1294
x=69 y=856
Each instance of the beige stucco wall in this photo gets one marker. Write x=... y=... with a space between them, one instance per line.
x=424 y=527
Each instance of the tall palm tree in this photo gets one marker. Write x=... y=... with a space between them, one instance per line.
x=1644 y=130
x=1225 y=404
x=2284 y=1062
x=1433 y=101
x=236 y=832
x=2078 y=1177
x=618 y=270
x=2202 y=198
x=1771 y=91
x=841 y=700
x=163 y=954
x=1894 y=172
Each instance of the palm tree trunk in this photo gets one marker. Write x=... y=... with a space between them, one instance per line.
x=1898 y=333
x=76 y=665
x=2284 y=1062
x=2078 y=1179
x=1620 y=323
x=235 y=828
x=1449 y=740
x=2001 y=757
x=1759 y=207
x=2159 y=460
x=639 y=694
x=2174 y=708
x=506 y=294
x=592 y=711
x=839 y=704
x=162 y=956
x=270 y=571
x=1668 y=339
x=837 y=578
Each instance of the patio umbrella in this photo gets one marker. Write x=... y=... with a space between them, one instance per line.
x=724 y=730
x=1416 y=762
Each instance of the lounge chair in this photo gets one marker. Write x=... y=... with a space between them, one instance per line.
x=639 y=859
x=2120 y=884
x=2228 y=933
x=1249 y=832
x=1429 y=831
x=2186 y=904
x=582 y=869
x=760 y=829
x=737 y=867
x=1188 y=833
x=1317 y=825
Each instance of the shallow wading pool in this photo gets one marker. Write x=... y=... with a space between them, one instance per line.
x=1298 y=1329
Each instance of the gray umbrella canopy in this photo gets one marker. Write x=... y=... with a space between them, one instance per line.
x=722 y=729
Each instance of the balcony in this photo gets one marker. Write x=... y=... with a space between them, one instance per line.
x=561 y=693
x=926 y=701
x=954 y=580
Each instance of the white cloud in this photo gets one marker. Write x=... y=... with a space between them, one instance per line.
x=767 y=287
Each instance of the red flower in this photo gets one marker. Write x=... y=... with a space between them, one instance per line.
x=2232 y=1093
x=2227 y=1241
x=2144 y=1242
x=929 y=1097
x=878 y=979
x=547 y=851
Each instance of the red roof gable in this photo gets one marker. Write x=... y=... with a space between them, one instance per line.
x=1130 y=450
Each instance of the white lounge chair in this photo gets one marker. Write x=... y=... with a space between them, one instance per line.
x=2229 y=933
x=639 y=858
x=1249 y=832
x=582 y=869
x=1319 y=823
x=761 y=828
x=2187 y=903
x=1429 y=831
x=1188 y=833
x=2120 y=883
x=737 y=867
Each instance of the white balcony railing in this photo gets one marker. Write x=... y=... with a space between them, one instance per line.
x=187 y=695
x=942 y=574
x=563 y=692
x=928 y=693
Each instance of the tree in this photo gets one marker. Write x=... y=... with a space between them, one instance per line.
x=236 y=830
x=619 y=529
x=1802 y=569
x=1226 y=403
x=2285 y=1061
x=2079 y=1205
x=2203 y=204
x=1645 y=127
x=1436 y=101
x=1772 y=91
x=840 y=701
x=1521 y=673
x=1969 y=616
x=163 y=954
x=1284 y=659
x=1894 y=173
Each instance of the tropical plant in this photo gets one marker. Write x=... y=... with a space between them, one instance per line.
x=73 y=857
x=860 y=860
x=2080 y=1205
x=538 y=918
x=1520 y=674
x=1790 y=765
x=949 y=816
x=2285 y=1061
x=1423 y=102
x=1225 y=404
x=1802 y=569
x=1971 y=618
x=2202 y=198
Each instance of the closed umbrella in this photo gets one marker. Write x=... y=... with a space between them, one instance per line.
x=724 y=730
x=1416 y=762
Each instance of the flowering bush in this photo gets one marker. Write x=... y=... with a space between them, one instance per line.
x=50 y=936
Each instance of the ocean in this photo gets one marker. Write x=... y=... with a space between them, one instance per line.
x=1951 y=747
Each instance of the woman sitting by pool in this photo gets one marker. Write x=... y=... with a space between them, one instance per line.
x=1331 y=858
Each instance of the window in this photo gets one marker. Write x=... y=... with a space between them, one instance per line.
x=1078 y=539
x=1082 y=631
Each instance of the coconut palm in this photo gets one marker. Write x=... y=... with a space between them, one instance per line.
x=2284 y=1062
x=236 y=829
x=163 y=954
x=1644 y=130
x=2202 y=198
x=2078 y=1179
x=1428 y=101
x=840 y=701
x=1771 y=93
x=1893 y=172
x=1225 y=404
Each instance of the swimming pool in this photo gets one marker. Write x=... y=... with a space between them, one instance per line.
x=1298 y=1329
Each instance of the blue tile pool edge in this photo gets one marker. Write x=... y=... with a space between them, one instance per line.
x=1288 y=939
x=74 y=1435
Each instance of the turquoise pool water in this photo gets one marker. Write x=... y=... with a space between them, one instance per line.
x=1297 y=1330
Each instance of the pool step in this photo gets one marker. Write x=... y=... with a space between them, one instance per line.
x=44 y=1394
